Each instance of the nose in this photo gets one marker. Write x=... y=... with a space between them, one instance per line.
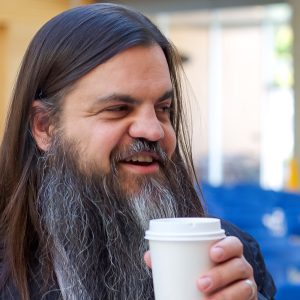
x=147 y=126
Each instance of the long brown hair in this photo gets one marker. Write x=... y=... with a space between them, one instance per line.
x=65 y=49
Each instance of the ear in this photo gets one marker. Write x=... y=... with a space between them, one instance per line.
x=40 y=125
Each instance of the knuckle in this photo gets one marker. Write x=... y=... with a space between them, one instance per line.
x=247 y=290
x=250 y=272
x=245 y=272
x=238 y=244
x=235 y=240
x=242 y=267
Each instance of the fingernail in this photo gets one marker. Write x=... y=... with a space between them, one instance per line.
x=217 y=252
x=204 y=283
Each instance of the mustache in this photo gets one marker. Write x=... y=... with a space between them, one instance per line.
x=139 y=146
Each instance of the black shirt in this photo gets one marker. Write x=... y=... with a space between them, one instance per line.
x=252 y=253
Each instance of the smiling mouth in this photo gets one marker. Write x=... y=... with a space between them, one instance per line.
x=141 y=160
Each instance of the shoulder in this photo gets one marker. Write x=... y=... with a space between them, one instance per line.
x=254 y=256
x=37 y=291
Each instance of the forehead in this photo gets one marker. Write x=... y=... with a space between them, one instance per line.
x=139 y=69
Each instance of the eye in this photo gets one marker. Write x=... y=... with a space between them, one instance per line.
x=117 y=108
x=115 y=111
x=164 y=108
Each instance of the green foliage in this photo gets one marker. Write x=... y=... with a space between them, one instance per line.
x=284 y=42
x=284 y=76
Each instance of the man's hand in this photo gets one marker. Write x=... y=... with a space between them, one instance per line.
x=232 y=276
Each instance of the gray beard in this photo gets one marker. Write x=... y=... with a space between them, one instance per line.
x=95 y=230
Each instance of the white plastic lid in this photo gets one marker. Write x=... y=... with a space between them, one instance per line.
x=185 y=229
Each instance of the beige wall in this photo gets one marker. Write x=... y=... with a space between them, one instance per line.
x=242 y=90
x=241 y=50
x=296 y=56
x=19 y=20
x=192 y=42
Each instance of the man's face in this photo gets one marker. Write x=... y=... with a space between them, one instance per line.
x=125 y=99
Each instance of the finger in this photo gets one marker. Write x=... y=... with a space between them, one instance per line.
x=240 y=290
x=226 y=249
x=225 y=274
x=147 y=259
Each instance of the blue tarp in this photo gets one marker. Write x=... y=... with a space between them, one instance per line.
x=271 y=217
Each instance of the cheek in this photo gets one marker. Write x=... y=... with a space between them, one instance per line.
x=170 y=141
x=99 y=144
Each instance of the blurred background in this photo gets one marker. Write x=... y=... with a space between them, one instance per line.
x=242 y=64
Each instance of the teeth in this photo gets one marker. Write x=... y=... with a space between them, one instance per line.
x=140 y=158
x=146 y=159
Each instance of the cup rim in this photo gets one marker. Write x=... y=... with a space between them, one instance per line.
x=207 y=236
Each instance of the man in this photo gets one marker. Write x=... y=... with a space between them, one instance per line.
x=96 y=146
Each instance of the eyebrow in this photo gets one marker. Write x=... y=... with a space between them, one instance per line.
x=131 y=100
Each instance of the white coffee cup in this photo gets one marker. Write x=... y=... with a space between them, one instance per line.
x=179 y=250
